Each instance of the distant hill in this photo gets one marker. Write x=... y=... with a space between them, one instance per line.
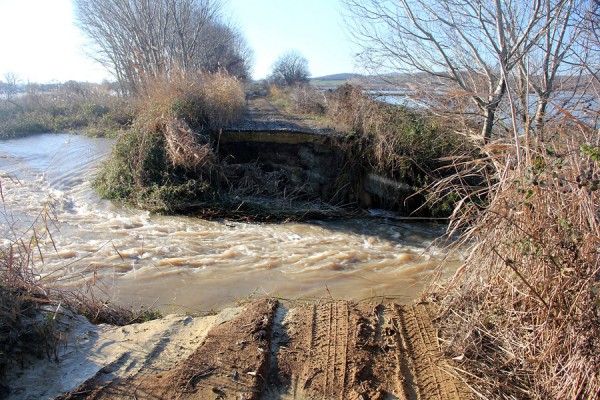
x=337 y=77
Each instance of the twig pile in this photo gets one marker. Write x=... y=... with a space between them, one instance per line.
x=182 y=146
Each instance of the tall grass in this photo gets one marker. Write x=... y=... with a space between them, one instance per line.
x=410 y=146
x=522 y=313
x=402 y=142
x=62 y=109
x=165 y=161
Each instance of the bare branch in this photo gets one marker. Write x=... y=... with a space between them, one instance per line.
x=141 y=39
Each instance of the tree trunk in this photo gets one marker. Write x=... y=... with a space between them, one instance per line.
x=540 y=116
x=489 y=114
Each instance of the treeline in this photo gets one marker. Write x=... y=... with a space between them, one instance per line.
x=139 y=40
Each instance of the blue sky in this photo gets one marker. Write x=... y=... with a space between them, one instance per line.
x=39 y=42
x=314 y=27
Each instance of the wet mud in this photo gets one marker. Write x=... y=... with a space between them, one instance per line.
x=327 y=350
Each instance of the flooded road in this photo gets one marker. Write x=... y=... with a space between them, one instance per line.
x=183 y=263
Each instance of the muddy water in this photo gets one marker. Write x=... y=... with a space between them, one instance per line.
x=180 y=263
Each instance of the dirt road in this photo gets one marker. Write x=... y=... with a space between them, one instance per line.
x=333 y=350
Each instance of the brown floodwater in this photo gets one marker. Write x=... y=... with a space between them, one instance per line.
x=183 y=263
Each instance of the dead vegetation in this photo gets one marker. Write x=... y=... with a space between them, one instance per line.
x=410 y=146
x=522 y=314
x=33 y=306
x=165 y=162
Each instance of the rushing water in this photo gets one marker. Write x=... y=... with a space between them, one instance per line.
x=179 y=263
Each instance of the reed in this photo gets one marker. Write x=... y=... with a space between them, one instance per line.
x=522 y=314
x=32 y=304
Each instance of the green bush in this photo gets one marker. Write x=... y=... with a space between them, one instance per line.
x=164 y=162
x=139 y=172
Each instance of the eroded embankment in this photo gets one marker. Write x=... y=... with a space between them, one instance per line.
x=329 y=350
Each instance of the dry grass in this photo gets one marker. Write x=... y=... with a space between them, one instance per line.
x=522 y=313
x=186 y=106
x=183 y=148
x=165 y=162
x=349 y=105
x=408 y=144
x=204 y=101
x=32 y=305
x=308 y=100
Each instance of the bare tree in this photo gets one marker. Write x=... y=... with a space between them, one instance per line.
x=11 y=85
x=553 y=71
x=225 y=48
x=589 y=40
x=140 y=39
x=290 y=68
x=472 y=44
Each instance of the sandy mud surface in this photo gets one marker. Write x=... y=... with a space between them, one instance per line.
x=263 y=350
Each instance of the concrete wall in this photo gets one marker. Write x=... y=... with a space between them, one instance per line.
x=314 y=166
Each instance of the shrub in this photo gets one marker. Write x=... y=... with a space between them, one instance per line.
x=280 y=96
x=308 y=100
x=165 y=162
x=407 y=145
x=139 y=171
x=523 y=311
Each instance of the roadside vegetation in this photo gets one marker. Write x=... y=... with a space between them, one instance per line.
x=35 y=312
x=92 y=109
x=522 y=314
x=165 y=161
x=411 y=146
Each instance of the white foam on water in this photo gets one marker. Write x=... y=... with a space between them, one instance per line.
x=145 y=258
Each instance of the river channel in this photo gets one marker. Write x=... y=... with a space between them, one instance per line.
x=183 y=264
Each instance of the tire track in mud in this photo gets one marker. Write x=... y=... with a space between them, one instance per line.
x=336 y=344
x=341 y=350
x=334 y=350
x=318 y=360
x=431 y=377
